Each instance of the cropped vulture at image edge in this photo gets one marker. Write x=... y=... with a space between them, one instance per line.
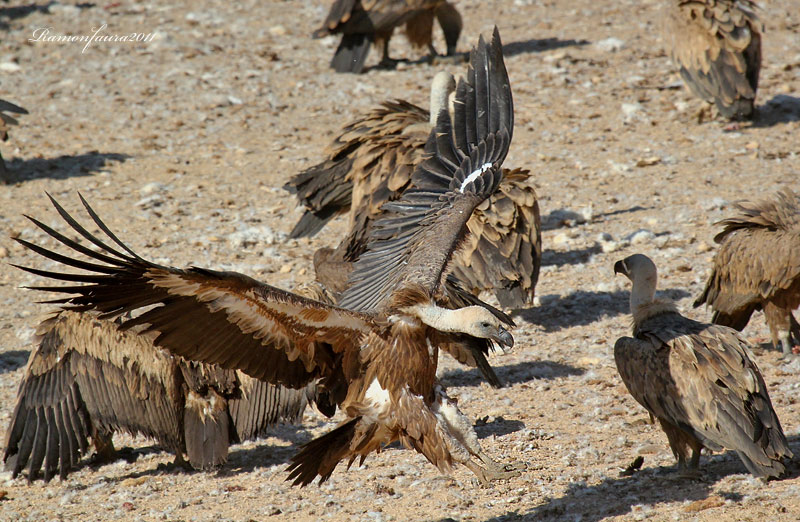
x=86 y=380
x=5 y=121
x=717 y=45
x=377 y=357
x=757 y=267
x=364 y=22
x=372 y=162
x=699 y=380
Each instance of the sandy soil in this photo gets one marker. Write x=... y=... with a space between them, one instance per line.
x=183 y=143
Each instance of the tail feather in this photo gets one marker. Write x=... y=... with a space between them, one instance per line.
x=320 y=456
x=207 y=427
x=352 y=53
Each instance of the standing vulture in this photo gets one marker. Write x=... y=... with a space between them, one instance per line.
x=699 y=380
x=757 y=267
x=372 y=163
x=364 y=22
x=717 y=45
x=87 y=379
x=5 y=121
x=378 y=353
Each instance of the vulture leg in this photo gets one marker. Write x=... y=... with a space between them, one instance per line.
x=461 y=428
x=795 y=328
x=386 y=62
x=780 y=327
x=104 y=447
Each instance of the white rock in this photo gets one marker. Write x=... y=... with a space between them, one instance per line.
x=640 y=236
x=610 y=44
x=253 y=236
x=631 y=109
x=152 y=188
x=9 y=67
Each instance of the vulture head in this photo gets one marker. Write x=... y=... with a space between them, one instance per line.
x=642 y=272
x=479 y=322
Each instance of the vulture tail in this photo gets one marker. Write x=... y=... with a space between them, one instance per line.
x=736 y=320
x=206 y=425
x=321 y=455
x=352 y=53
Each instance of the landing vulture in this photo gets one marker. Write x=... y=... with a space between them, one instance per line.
x=364 y=22
x=757 y=267
x=372 y=162
x=699 y=380
x=86 y=380
x=5 y=121
x=717 y=45
x=377 y=354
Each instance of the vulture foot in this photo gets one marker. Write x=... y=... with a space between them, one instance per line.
x=492 y=465
x=486 y=475
x=387 y=63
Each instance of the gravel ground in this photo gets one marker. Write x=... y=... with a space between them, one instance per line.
x=182 y=143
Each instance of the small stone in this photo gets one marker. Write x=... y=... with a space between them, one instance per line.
x=649 y=449
x=3 y=252
x=702 y=246
x=641 y=236
x=9 y=67
x=610 y=44
x=152 y=188
x=277 y=30
x=285 y=269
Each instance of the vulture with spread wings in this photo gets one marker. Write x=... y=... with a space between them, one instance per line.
x=757 y=267
x=86 y=380
x=699 y=380
x=717 y=45
x=5 y=121
x=377 y=354
x=372 y=162
x=364 y=22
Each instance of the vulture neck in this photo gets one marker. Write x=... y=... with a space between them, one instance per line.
x=443 y=84
x=443 y=319
x=644 y=289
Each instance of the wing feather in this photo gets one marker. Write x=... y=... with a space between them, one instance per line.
x=221 y=318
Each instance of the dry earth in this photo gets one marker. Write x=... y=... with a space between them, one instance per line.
x=183 y=144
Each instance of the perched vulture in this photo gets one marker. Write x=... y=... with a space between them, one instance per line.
x=757 y=267
x=377 y=354
x=372 y=162
x=363 y=22
x=5 y=121
x=87 y=380
x=699 y=380
x=717 y=45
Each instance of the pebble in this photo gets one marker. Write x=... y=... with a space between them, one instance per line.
x=9 y=67
x=3 y=252
x=610 y=44
x=641 y=236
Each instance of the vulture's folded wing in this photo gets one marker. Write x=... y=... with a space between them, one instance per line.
x=221 y=318
x=415 y=240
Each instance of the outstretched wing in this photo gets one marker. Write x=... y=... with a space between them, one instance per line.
x=414 y=242
x=221 y=318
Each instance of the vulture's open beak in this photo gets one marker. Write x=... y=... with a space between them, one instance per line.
x=620 y=268
x=504 y=338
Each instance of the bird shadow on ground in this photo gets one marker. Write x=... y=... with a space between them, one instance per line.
x=569 y=257
x=534 y=45
x=499 y=426
x=539 y=45
x=61 y=167
x=581 y=307
x=511 y=374
x=564 y=217
x=20 y=11
x=13 y=359
x=782 y=108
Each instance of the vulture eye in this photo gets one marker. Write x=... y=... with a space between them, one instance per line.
x=485 y=325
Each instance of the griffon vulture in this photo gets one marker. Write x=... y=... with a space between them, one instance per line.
x=377 y=354
x=717 y=45
x=699 y=380
x=757 y=267
x=364 y=22
x=86 y=379
x=5 y=121
x=372 y=162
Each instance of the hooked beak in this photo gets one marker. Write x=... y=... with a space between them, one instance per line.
x=504 y=338
x=620 y=268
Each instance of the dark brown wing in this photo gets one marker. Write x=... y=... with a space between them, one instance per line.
x=220 y=318
x=503 y=250
x=414 y=242
x=702 y=379
x=367 y=165
x=758 y=260
x=83 y=377
x=718 y=48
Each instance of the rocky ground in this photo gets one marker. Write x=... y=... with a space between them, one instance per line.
x=182 y=144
